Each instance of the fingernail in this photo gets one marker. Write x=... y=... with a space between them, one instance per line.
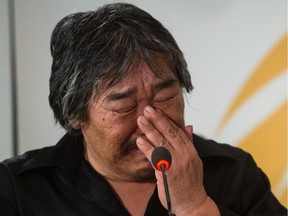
x=140 y=141
x=149 y=109
x=143 y=120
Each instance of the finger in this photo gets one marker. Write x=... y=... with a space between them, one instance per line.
x=167 y=128
x=189 y=131
x=145 y=146
x=151 y=133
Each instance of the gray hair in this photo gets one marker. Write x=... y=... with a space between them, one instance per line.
x=89 y=48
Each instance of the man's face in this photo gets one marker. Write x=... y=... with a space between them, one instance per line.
x=111 y=132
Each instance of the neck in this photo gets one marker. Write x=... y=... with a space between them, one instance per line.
x=134 y=196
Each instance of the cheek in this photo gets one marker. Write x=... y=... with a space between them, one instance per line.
x=176 y=112
x=111 y=132
x=108 y=128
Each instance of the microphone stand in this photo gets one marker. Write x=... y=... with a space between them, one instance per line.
x=170 y=213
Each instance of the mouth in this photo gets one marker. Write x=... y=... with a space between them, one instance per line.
x=135 y=152
x=129 y=147
x=131 y=150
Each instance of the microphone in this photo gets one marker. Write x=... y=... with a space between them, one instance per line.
x=161 y=156
x=161 y=160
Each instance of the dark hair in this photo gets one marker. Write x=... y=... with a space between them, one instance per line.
x=95 y=46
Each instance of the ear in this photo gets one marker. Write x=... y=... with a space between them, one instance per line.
x=76 y=124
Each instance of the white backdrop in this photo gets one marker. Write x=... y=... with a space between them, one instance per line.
x=224 y=42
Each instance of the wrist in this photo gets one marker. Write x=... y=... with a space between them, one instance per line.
x=207 y=208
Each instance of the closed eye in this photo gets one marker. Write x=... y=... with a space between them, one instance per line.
x=163 y=100
x=125 y=110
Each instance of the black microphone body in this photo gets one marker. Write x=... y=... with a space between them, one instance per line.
x=161 y=160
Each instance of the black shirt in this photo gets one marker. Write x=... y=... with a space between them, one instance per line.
x=58 y=181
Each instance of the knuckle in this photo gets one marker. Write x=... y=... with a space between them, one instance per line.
x=174 y=132
x=164 y=142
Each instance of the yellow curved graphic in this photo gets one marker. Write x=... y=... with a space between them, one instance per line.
x=268 y=141
x=267 y=144
x=274 y=64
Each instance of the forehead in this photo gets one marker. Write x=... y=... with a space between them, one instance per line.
x=159 y=73
x=147 y=74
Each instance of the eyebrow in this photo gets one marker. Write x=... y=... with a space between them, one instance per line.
x=165 y=84
x=130 y=91
x=120 y=95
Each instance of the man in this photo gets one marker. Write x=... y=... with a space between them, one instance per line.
x=117 y=88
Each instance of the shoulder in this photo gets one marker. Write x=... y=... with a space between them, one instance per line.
x=18 y=163
x=10 y=172
x=227 y=159
x=40 y=158
x=210 y=148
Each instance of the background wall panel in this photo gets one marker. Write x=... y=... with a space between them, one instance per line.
x=5 y=84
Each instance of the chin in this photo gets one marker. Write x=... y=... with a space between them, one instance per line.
x=142 y=172
x=137 y=168
x=144 y=176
